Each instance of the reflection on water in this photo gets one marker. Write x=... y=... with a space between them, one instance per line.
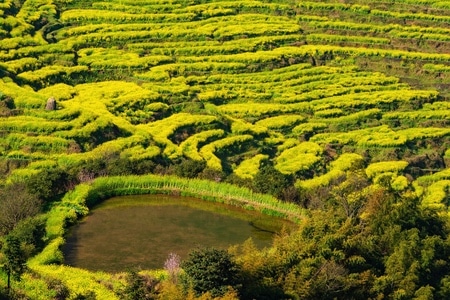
x=140 y=231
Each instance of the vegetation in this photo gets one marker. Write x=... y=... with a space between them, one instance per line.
x=338 y=111
x=210 y=270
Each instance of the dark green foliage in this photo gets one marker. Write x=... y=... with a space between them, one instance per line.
x=16 y=204
x=271 y=181
x=4 y=294
x=387 y=248
x=48 y=183
x=212 y=174
x=210 y=270
x=14 y=258
x=140 y=287
x=189 y=168
x=22 y=242
x=30 y=232
x=111 y=164
x=124 y=166
x=413 y=243
x=236 y=180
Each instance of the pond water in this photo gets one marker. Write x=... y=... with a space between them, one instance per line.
x=140 y=231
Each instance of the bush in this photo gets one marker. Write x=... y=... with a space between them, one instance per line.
x=210 y=270
x=30 y=232
x=271 y=181
x=189 y=168
x=140 y=287
x=48 y=183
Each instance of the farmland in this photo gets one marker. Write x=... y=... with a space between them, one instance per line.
x=317 y=90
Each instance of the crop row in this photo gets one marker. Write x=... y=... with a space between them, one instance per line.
x=359 y=11
x=381 y=136
x=303 y=79
x=299 y=91
x=334 y=38
x=437 y=68
x=301 y=157
x=202 y=48
x=32 y=11
x=436 y=196
x=374 y=28
x=208 y=25
x=191 y=145
x=100 y=58
x=248 y=168
x=280 y=122
x=102 y=16
x=337 y=169
x=368 y=100
x=318 y=51
x=51 y=74
x=18 y=42
x=162 y=130
x=418 y=115
x=200 y=11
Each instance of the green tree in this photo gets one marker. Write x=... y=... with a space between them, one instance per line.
x=189 y=168
x=48 y=183
x=13 y=259
x=211 y=270
x=30 y=232
x=382 y=245
x=414 y=245
x=271 y=181
x=21 y=243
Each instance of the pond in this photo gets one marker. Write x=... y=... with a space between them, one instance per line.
x=140 y=231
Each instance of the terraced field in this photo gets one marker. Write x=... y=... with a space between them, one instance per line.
x=317 y=88
x=307 y=85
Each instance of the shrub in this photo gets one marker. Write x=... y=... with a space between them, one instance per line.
x=139 y=287
x=48 y=183
x=210 y=270
x=271 y=181
x=30 y=232
x=190 y=168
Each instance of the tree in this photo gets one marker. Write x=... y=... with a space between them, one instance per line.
x=271 y=181
x=140 y=287
x=21 y=243
x=14 y=259
x=367 y=242
x=30 y=232
x=189 y=168
x=48 y=183
x=414 y=245
x=210 y=270
x=16 y=204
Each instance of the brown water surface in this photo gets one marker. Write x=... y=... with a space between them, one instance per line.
x=140 y=231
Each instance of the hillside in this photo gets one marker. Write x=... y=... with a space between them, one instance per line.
x=316 y=90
